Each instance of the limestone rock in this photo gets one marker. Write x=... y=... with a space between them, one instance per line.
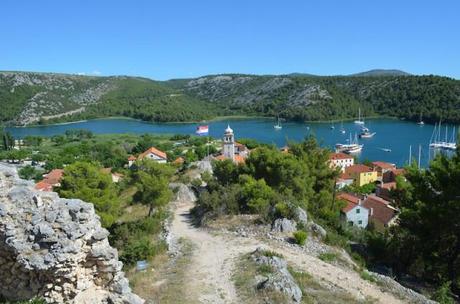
x=301 y=216
x=55 y=248
x=280 y=279
x=320 y=231
x=284 y=225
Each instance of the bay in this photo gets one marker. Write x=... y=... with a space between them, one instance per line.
x=391 y=134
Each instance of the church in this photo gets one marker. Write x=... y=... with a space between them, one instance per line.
x=231 y=149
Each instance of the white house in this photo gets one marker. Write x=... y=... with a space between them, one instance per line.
x=341 y=160
x=152 y=154
x=354 y=212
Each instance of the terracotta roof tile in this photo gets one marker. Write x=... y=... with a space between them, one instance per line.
x=379 y=209
x=339 y=155
x=358 y=168
x=383 y=165
x=154 y=151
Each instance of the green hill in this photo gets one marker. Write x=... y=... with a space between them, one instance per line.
x=27 y=97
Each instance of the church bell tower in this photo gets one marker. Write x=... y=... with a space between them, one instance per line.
x=229 y=144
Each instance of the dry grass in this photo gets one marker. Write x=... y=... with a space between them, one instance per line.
x=163 y=282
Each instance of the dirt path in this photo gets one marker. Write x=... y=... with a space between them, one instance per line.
x=209 y=276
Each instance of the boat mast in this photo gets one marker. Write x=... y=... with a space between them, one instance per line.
x=410 y=155
x=419 y=154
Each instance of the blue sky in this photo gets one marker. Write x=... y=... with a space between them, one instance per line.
x=175 y=39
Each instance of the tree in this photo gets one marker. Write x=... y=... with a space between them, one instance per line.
x=84 y=180
x=427 y=241
x=257 y=195
x=152 y=181
x=7 y=141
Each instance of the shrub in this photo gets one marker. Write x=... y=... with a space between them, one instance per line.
x=443 y=295
x=365 y=275
x=328 y=256
x=300 y=237
x=283 y=210
x=141 y=249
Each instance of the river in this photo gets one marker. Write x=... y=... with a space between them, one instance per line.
x=391 y=134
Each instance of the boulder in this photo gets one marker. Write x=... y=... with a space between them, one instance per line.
x=301 y=216
x=280 y=279
x=284 y=225
x=317 y=229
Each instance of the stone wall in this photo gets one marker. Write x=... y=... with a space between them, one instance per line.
x=55 y=248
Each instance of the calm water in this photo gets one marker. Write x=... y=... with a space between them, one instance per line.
x=391 y=134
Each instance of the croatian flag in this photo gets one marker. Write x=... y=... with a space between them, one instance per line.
x=202 y=130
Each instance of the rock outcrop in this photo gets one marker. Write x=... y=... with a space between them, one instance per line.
x=284 y=225
x=55 y=248
x=280 y=279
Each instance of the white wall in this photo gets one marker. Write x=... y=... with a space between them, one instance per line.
x=357 y=214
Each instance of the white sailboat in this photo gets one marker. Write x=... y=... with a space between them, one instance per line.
x=359 y=121
x=420 y=121
x=278 y=125
x=342 y=130
x=437 y=143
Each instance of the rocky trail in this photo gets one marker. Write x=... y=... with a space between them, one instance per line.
x=209 y=277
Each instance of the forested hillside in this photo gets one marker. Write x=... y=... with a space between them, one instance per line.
x=27 y=98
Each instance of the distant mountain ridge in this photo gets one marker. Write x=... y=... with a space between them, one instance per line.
x=381 y=72
x=28 y=97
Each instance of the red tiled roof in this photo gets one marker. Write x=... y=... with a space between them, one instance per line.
x=339 y=155
x=132 y=157
x=397 y=172
x=390 y=185
x=106 y=170
x=239 y=159
x=348 y=197
x=154 y=151
x=379 y=209
x=383 y=165
x=43 y=186
x=179 y=160
x=358 y=168
x=54 y=176
x=349 y=207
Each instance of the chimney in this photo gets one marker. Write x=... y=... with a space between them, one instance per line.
x=372 y=212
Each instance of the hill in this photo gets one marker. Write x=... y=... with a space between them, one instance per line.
x=382 y=72
x=27 y=97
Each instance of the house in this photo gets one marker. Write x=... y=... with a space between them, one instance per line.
x=343 y=182
x=341 y=160
x=131 y=160
x=151 y=153
x=179 y=161
x=116 y=177
x=382 y=168
x=154 y=154
x=354 y=212
x=50 y=180
x=232 y=150
x=383 y=190
x=380 y=212
x=361 y=174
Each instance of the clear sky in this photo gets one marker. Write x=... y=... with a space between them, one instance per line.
x=175 y=39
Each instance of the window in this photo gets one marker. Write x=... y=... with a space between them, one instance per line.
x=358 y=210
x=360 y=222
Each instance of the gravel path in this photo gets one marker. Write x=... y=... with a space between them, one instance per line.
x=211 y=266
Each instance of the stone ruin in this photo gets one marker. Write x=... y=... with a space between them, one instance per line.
x=55 y=248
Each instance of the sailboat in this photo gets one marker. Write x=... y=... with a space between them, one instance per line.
x=278 y=125
x=359 y=121
x=342 y=130
x=420 y=121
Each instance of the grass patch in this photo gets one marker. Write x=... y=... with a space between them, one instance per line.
x=300 y=237
x=314 y=293
x=163 y=282
x=328 y=257
x=270 y=254
x=365 y=275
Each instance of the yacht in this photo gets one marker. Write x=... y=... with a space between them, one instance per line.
x=351 y=147
x=366 y=133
